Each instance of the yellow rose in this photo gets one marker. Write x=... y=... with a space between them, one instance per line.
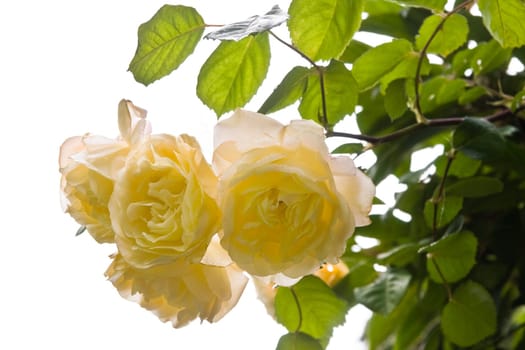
x=89 y=165
x=180 y=291
x=288 y=205
x=163 y=206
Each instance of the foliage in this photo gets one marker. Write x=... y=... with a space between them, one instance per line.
x=453 y=276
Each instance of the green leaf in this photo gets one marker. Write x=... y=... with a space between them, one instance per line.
x=396 y=99
x=429 y=4
x=480 y=139
x=309 y=306
x=489 y=56
x=253 y=25
x=323 y=29
x=462 y=166
x=298 y=341
x=405 y=69
x=386 y=292
x=232 y=74
x=447 y=210
x=440 y=91
x=470 y=316
x=340 y=93
x=475 y=187
x=449 y=37
x=353 y=51
x=288 y=91
x=165 y=41
x=371 y=66
x=504 y=20
x=349 y=148
x=472 y=95
x=454 y=255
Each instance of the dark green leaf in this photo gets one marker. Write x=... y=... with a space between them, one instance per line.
x=340 y=93
x=470 y=316
x=353 y=51
x=311 y=307
x=233 y=73
x=371 y=66
x=479 y=139
x=462 y=166
x=454 y=255
x=335 y=22
x=449 y=37
x=253 y=25
x=474 y=187
x=288 y=91
x=447 y=210
x=349 y=148
x=386 y=292
x=472 y=95
x=298 y=341
x=396 y=99
x=504 y=20
x=430 y=4
x=165 y=41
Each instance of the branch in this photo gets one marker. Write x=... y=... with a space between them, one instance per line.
x=437 y=122
x=419 y=114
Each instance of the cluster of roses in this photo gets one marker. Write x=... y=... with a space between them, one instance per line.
x=276 y=205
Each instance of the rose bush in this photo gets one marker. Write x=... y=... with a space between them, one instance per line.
x=180 y=292
x=163 y=206
x=288 y=205
x=89 y=166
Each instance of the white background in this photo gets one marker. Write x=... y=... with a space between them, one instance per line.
x=62 y=73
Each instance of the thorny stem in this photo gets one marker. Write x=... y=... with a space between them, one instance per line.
x=419 y=114
x=323 y=119
x=437 y=122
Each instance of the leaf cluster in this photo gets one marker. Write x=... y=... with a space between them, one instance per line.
x=452 y=274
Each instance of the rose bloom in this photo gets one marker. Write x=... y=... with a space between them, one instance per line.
x=180 y=292
x=288 y=205
x=163 y=206
x=89 y=165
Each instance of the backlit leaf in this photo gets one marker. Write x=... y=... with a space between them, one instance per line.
x=323 y=29
x=449 y=37
x=298 y=341
x=430 y=4
x=371 y=66
x=288 y=91
x=504 y=20
x=232 y=74
x=165 y=41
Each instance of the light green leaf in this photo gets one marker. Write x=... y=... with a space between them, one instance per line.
x=454 y=255
x=429 y=4
x=253 y=25
x=349 y=148
x=470 y=316
x=353 y=51
x=447 y=210
x=405 y=69
x=386 y=292
x=340 y=94
x=323 y=29
x=396 y=99
x=449 y=37
x=489 y=56
x=298 y=341
x=440 y=91
x=371 y=66
x=504 y=20
x=311 y=307
x=165 y=41
x=472 y=95
x=475 y=187
x=288 y=91
x=232 y=74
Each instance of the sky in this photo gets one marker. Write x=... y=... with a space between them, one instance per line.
x=63 y=70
